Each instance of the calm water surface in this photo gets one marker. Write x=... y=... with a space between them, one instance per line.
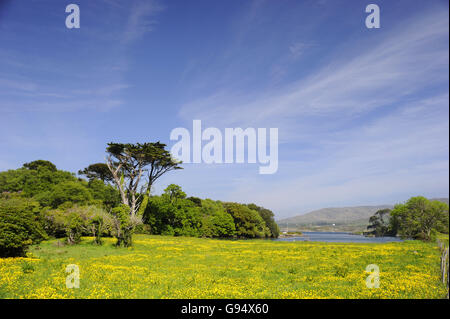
x=339 y=237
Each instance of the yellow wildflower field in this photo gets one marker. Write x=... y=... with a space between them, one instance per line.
x=181 y=267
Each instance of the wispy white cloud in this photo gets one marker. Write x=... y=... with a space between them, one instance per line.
x=17 y=97
x=406 y=61
x=86 y=84
x=141 y=19
x=297 y=49
x=115 y=3
x=8 y=84
x=106 y=90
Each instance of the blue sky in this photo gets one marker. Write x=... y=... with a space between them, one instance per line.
x=362 y=113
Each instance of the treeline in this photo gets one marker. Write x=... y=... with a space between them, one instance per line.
x=173 y=213
x=417 y=218
x=38 y=202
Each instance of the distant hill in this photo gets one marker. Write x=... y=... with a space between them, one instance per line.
x=354 y=218
x=334 y=215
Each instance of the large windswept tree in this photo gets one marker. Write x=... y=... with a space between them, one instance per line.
x=135 y=167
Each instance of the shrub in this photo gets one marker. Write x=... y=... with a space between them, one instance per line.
x=74 y=225
x=123 y=225
x=19 y=226
x=75 y=221
x=96 y=226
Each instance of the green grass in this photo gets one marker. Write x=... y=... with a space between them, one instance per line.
x=443 y=238
x=181 y=267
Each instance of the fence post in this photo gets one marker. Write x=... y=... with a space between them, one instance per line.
x=444 y=265
x=447 y=270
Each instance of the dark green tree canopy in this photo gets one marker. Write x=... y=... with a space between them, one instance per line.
x=97 y=171
x=174 y=192
x=177 y=218
x=420 y=218
x=35 y=165
x=379 y=223
x=268 y=217
x=53 y=188
x=197 y=201
x=72 y=192
x=32 y=181
x=151 y=158
x=19 y=225
x=173 y=214
x=249 y=223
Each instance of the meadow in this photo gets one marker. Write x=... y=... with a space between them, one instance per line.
x=183 y=267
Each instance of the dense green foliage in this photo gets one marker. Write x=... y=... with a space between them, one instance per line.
x=420 y=218
x=97 y=171
x=52 y=187
x=66 y=192
x=19 y=225
x=35 y=165
x=106 y=194
x=75 y=221
x=123 y=225
x=174 y=214
x=178 y=217
x=249 y=223
x=39 y=200
x=216 y=222
x=33 y=181
x=268 y=217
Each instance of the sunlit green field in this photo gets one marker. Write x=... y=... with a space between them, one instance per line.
x=179 y=267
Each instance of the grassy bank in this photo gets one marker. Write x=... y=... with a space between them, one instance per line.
x=179 y=267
